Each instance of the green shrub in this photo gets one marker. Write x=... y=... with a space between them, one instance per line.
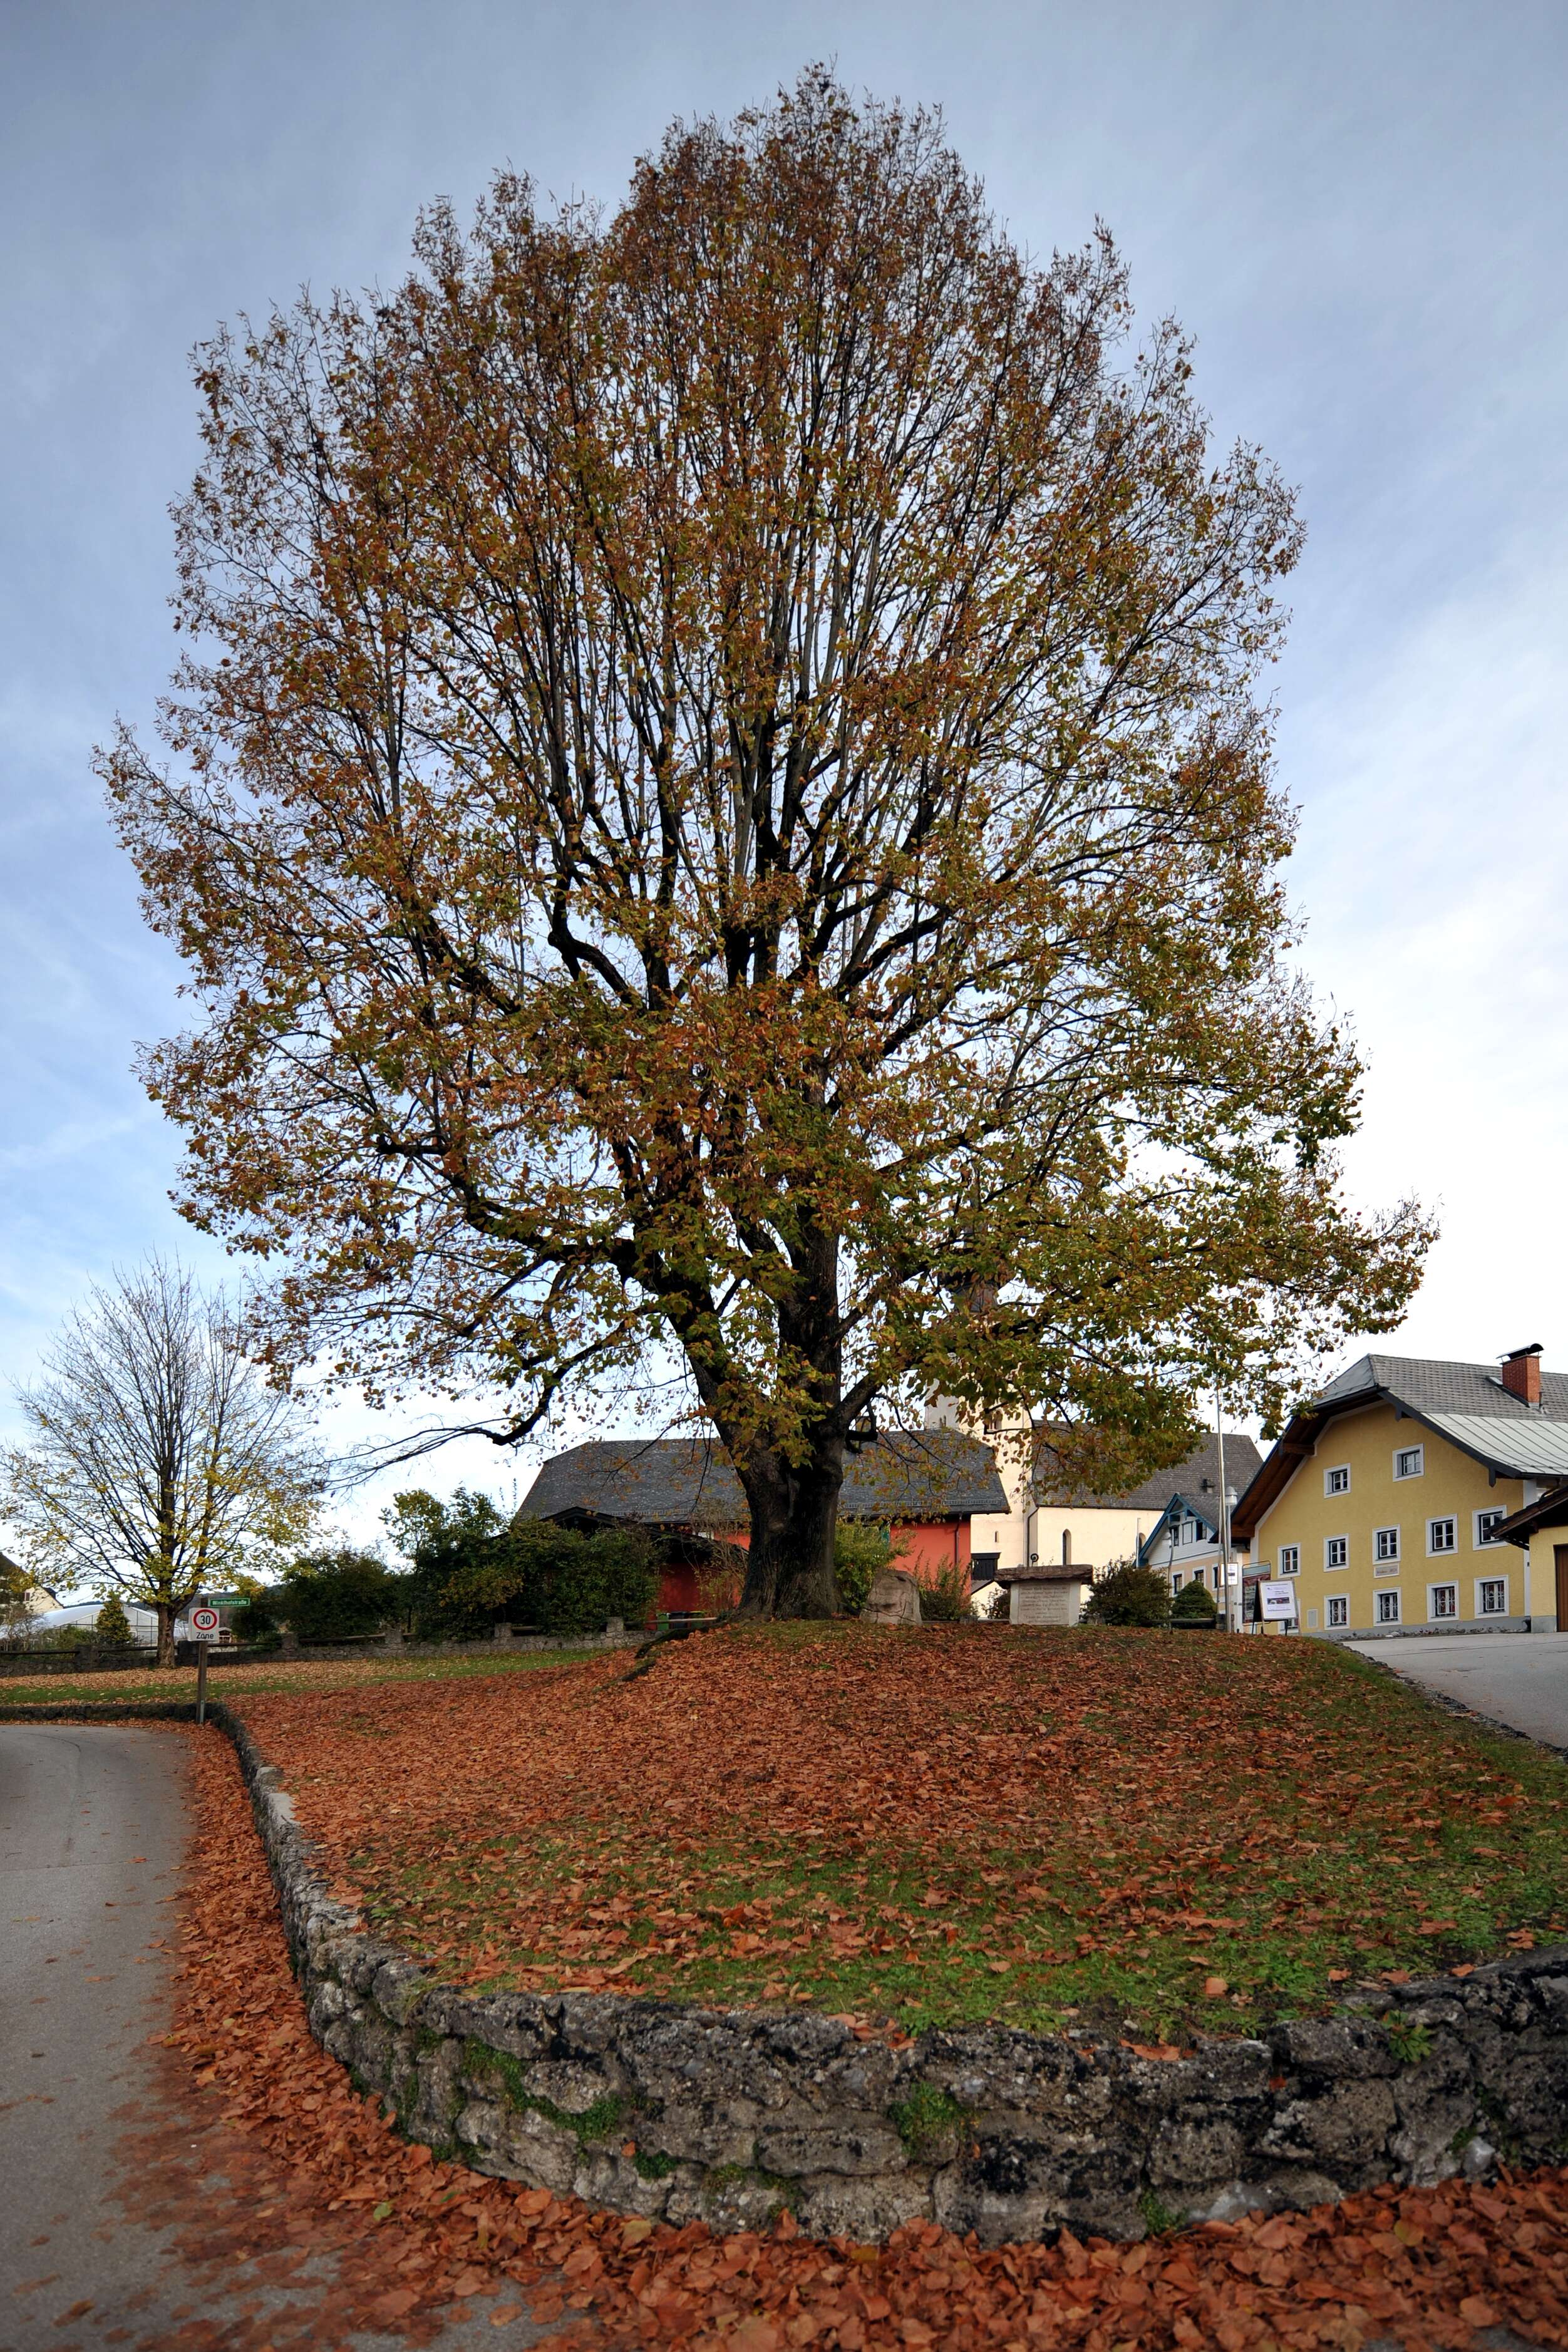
x=1194 y=1605
x=861 y=1551
x=112 y=1625
x=470 y=1571
x=334 y=1596
x=256 y=1620
x=64 y=1637
x=1128 y=1595
x=945 y=1600
x=574 y=1583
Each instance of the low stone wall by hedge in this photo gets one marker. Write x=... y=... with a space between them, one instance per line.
x=653 y=2107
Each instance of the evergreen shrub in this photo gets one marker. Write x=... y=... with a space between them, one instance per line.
x=1194 y=1605
x=472 y=1569
x=1128 y=1595
x=255 y=1622
x=112 y=1626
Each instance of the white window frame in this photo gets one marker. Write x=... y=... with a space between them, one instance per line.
x=1176 y=1580
x=1289 y=1559
x=1485 y=1542
x=1436 y=1616
x=1189 y=1532
x=1404 y=1453
x=1384 y=1614
x=1443 y=1552
x=1385 y=1558
x=1336 y=1566
x=1340 y=1602
x=1481 y=1581
x=1339 y=1470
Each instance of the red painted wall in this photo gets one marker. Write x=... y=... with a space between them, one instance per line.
x=677 y=1588
x=928 y=1545
x=924 y=1547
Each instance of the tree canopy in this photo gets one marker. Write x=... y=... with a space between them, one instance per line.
x=720 y=814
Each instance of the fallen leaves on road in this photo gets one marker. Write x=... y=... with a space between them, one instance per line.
x=1431 y=2265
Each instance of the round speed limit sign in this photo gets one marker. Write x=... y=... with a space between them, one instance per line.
x=203 y=1624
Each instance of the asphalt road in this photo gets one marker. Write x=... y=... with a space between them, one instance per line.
x=1520 y=1679
x=106 y=2162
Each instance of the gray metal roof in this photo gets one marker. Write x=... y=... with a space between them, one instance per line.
x=1530 y=1449
x=1198 y=1474
x=1468 y=1404
x=687 y=1482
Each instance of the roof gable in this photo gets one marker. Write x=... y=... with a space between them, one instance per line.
x=1205 y=1514
x=1464 y=1403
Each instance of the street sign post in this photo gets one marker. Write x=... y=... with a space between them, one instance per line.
x=203 y=1628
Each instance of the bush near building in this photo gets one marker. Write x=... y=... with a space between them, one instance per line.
x=1195 y=1605
x=471 y=1570
x=1128 y=1595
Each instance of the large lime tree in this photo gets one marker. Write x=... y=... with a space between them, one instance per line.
x=719 y=814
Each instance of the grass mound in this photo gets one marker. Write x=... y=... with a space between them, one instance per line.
x=1136 y=1832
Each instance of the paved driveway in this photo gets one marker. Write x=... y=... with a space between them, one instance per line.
x=1520 y=1679
x=125 y=2204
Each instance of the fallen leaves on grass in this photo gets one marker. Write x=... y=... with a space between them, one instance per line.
x=955 y=1824
x=1431 y=2265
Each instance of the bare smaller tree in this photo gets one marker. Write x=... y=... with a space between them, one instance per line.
x=160 y=1461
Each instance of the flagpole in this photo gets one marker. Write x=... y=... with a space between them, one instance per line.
x=1232 y=1624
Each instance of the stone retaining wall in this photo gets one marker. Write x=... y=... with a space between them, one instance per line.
x=653 y=2107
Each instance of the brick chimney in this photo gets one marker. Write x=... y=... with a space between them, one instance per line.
x=1522 y=1373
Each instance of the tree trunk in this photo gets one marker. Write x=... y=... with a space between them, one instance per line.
x=165 y=1633
x=789 y=1567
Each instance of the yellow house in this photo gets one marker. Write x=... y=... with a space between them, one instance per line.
x=1386 y=1500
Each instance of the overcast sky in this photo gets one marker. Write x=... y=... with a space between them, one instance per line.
x=1357 y=210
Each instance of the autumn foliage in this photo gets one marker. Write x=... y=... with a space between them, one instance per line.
x=721 y=823
x=1104 y=1825
x=410 y=2237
